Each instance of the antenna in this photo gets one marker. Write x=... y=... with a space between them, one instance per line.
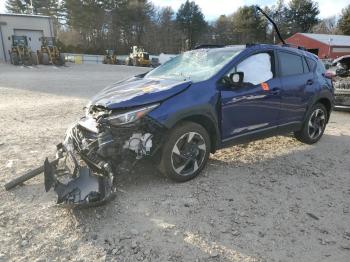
x=272 y=22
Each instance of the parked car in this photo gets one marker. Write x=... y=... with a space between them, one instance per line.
x=191 y=106
x=341 y=67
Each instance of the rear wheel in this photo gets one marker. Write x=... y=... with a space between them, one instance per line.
x=61 y=60
x=27 y=60
x=314 y=125
x=34 y=57
x=14 y=59
x=45 y=58
x=185 y=152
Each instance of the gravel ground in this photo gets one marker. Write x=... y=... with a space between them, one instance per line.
x=82 y=81
x=270 y=200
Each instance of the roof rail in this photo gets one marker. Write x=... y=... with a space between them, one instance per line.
x=294 y=46
x=247 y=45
x=205 y=46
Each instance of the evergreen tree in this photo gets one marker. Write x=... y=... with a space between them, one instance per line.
x=190 y=20
x=278 y=14
x=16 y=6
x=301 y=16
x=344 y=21
x=223 y=30
x=249 y=26
x=40 y=7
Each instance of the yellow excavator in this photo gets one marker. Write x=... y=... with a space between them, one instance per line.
x=20 y=53
x=138 y=57
x=110 y=57
x=49 y=52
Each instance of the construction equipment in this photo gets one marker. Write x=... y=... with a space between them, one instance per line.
x=110 y=57
x=49 y=52
x=138 y=57
x=20 y=53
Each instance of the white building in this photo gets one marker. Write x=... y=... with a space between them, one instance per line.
x=32 y=26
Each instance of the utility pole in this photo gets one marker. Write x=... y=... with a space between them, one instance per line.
x=30 y=8
x=330 y=44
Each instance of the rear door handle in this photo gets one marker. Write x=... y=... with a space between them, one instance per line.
x=275 y=91
x=309 y=82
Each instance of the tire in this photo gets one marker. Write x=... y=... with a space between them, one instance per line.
x=314 y=125
x=186 y=152
x=34 y=59
x=62 y=59
x=14 y=59
x=27 y=61
x=45 y=59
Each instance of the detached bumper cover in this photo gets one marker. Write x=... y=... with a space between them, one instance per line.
x=90 y=158
x=83 y=188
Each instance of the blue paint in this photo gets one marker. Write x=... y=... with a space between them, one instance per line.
x=233 y=111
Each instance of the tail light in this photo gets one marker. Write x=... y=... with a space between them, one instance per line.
x=329 y=75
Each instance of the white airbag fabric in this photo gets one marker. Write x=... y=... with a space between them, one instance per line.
x=256 y=69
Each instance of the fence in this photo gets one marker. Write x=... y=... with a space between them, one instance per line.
x=97 y=59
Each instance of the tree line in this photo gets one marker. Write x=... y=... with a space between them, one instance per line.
x=92 y=26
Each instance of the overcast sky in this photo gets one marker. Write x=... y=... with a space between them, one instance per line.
x=214 y=8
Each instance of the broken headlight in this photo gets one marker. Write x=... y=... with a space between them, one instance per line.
x=131 y=116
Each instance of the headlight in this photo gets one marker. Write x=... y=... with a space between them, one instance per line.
x=131 y=116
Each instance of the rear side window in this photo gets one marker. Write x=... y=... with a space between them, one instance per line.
x=290 y=64
x=320 y=69
x=306 y=67
x=311 y=63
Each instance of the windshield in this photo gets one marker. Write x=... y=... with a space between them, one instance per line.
x=196 y=65
x=19 y=40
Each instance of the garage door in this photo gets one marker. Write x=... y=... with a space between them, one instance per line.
x=33 y=37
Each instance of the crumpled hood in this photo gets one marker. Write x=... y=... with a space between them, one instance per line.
x=138 y=91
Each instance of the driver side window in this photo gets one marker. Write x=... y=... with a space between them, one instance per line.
x=256 y=68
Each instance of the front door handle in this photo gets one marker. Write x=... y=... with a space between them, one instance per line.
x=275 y=91
x=309 y=82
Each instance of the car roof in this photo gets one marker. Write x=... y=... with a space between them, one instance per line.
x=266 y=47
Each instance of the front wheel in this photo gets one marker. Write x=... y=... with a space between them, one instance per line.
x=314 y=125
x=185 y=152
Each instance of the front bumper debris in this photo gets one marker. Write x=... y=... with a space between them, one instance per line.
x=83 y=186
x=92 y=155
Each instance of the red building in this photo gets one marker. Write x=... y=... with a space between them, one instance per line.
x=325 y=46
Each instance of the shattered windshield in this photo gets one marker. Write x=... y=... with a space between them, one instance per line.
x=196 y=65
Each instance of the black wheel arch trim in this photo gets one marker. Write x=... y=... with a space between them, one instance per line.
x=323 y=95
x=203 y=115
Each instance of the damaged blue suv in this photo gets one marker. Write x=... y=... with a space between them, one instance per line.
x=191 y=106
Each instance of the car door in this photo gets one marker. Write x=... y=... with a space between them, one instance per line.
x=255 y=105
x=298 y=83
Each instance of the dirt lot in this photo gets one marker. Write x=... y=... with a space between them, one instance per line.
x=271 y=200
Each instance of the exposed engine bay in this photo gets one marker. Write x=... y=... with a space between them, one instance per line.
x=342 y=81
x=96 y=149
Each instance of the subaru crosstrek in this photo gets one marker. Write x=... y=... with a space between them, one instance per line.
x=191 y=106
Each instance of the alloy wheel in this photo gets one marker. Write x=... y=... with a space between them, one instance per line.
x=188 y=153
x=317 y=123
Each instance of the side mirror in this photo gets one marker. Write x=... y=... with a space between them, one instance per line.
x=236 y=79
